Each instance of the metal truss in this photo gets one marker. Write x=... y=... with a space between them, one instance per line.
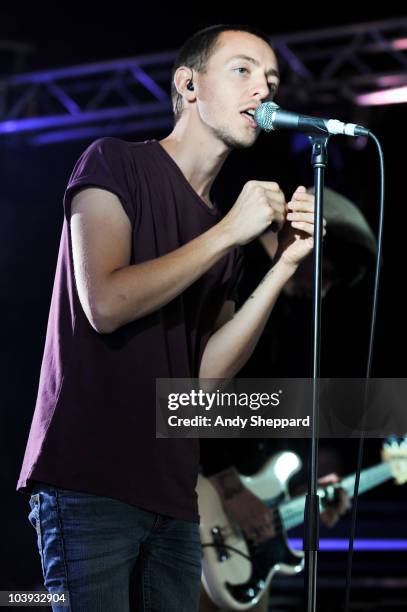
x=132 y=95
x=327 y=66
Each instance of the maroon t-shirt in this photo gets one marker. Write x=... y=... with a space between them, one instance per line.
x=93 y=428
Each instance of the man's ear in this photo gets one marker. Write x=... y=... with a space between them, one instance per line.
x=184 y=75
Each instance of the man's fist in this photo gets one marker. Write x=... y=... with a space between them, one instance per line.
x=259 y=204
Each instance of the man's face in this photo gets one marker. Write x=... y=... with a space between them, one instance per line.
x=241 y=73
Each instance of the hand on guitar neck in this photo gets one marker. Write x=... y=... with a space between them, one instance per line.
x=339 y=506
x=334 y=509
x=242 y=507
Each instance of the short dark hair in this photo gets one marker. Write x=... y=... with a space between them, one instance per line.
x=197 y=50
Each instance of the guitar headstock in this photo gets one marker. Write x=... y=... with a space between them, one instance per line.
x=394 y=451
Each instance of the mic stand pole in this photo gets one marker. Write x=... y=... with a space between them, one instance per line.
x=311 y=518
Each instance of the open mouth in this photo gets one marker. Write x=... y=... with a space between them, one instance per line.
x=249 y=117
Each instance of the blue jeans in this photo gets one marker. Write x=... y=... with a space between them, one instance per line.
x=114 y=557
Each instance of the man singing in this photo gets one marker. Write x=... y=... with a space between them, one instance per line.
x=144 y=289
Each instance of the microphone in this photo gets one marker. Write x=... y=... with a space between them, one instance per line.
x=269 y=116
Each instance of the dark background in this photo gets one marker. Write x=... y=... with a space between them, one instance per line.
x=32 y=185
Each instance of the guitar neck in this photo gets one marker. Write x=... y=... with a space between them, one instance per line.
x=292 y=511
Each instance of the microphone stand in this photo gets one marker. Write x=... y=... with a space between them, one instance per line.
x=319 y=162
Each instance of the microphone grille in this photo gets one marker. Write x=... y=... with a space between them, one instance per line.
x=264 y=115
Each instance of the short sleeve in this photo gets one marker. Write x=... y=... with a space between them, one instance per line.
x=233 y=288
x=106 y=163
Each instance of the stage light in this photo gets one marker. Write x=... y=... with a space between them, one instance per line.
x=398 y=95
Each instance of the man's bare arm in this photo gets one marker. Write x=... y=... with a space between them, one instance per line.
x=229 y=348
x=113 y=293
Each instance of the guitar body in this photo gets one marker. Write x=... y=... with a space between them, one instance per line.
x=231 y=580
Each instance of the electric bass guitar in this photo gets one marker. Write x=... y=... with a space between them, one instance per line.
x=236 y=573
